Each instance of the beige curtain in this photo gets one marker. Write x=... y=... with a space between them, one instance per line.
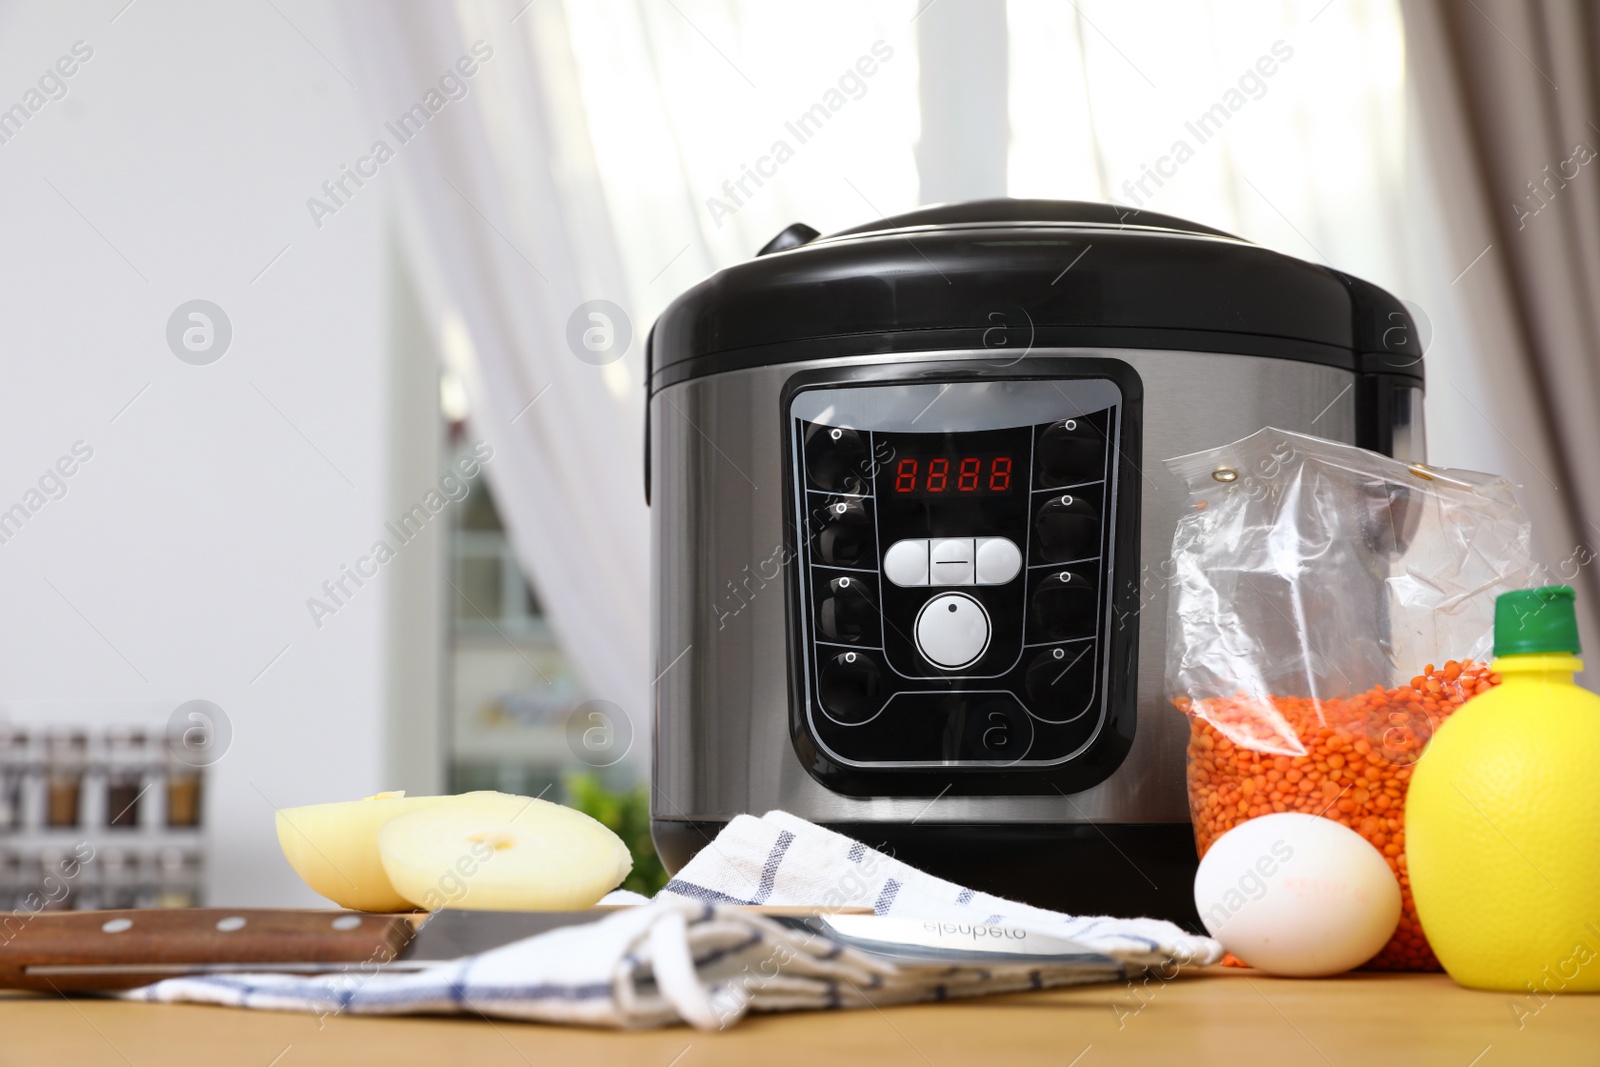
x=1508 y=96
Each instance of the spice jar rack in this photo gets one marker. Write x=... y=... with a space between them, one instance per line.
x=97 y=816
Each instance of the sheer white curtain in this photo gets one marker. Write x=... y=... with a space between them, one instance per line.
x=504 y=227
x=1281 y=122
x=684 y=99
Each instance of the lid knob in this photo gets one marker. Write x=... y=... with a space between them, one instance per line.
x=1536 y=620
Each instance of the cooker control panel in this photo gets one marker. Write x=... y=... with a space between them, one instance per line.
x=956 y=545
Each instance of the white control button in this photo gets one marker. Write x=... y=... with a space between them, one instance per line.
x=952 y=631
x=950 y=561
x=906 y=562
x=998 y=560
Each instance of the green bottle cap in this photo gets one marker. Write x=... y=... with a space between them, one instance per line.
x=1536 y=620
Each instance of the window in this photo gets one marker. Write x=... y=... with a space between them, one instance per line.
x=511 y=688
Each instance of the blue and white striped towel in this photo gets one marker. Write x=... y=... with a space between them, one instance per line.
x=690 y=956
x=782 y=859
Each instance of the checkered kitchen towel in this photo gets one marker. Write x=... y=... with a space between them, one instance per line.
x=782 y=859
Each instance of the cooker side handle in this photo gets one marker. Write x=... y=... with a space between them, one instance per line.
x=792 y=236
x=649 y=369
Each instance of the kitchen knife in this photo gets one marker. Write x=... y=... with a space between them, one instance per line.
x=123 y=949
x=79 y=951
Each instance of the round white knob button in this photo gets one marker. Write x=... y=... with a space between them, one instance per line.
x=952 y=631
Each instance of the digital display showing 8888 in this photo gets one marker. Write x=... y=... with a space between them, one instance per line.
x=954 y=467
x=954 y=473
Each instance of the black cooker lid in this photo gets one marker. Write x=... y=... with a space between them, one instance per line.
x=1013 y=273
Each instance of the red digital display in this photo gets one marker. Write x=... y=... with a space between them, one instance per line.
x=955 y=475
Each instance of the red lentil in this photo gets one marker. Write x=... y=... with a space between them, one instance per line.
x=1347 y=759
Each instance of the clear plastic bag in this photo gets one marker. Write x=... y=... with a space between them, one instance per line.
x=1328 y=607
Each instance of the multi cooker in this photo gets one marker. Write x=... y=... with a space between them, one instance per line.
x=910 y=526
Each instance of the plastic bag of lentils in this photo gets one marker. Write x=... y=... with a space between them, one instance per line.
x=1328 y=608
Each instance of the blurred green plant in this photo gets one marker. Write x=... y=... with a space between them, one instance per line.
x=625 y=813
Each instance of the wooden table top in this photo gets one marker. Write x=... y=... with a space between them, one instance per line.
x=1227 y=1018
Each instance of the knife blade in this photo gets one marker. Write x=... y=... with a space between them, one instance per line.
x=913 y=940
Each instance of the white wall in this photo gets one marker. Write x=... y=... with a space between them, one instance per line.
x=178 y=564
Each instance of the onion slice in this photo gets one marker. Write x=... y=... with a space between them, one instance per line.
x=497 y=852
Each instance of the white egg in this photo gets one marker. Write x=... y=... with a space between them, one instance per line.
x=1297 y=895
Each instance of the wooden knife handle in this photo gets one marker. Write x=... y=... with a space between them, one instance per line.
x=187 y=935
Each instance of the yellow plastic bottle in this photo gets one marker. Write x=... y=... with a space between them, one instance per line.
x=1503 y=815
